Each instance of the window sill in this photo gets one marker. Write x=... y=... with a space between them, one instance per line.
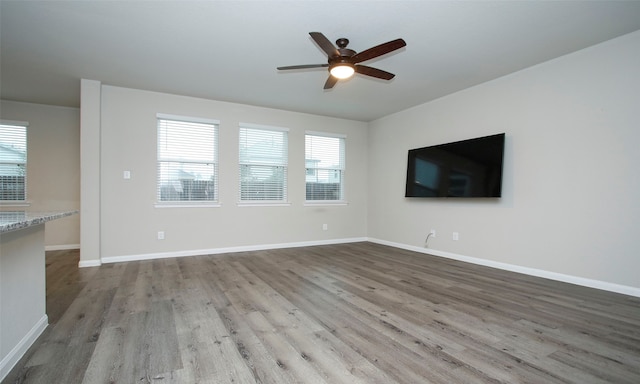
x=14 y=203
x=316 y=203
x=175 y=204
x=263 y=204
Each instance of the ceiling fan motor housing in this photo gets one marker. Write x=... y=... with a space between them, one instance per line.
x=344 y=59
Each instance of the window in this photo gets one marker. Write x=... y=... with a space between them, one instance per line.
x=263 y=163
x=187 y=160
x=13 y=162
x=324 y=159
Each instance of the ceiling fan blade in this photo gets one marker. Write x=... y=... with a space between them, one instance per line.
x=378 y=50
x=325 y=44
x=374 y=72
x=304 y=66
x=331 y=81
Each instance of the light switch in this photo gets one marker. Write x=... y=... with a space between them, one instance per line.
x=127 y=175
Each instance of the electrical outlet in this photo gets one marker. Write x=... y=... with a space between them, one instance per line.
x=325 y=227
x=126 y=175
x=433 y=233
x=456 y=236
x=160 y=235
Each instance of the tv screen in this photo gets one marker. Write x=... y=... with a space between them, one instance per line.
x=468 y=168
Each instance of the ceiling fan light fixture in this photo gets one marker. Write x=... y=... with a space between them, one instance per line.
x=342 y=71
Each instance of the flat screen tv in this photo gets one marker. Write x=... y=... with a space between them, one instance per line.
x=468 y=168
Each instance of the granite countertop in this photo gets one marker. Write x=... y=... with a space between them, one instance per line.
x=15 y=220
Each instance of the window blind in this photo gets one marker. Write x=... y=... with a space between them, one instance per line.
x=13 y=162
x=187 y=160
x=325 y=166
x=263 y=163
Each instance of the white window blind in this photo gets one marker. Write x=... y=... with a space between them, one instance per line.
x=325 y=165
x=263 y=163
x=187 y=160
x=13 y=162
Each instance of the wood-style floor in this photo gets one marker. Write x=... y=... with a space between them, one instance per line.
x=350 y=313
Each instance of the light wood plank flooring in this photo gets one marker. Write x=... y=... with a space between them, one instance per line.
x=350 y=313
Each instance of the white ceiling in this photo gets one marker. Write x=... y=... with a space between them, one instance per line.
x=229 y=50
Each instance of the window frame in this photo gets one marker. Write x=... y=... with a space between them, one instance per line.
x=342 y=200
x=215 y=163
x=21 y=164
x=285 y=187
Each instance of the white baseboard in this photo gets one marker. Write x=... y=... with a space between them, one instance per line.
x=603 y=285
x=89 y=263
x=12 y=358
x=214 y=251
x=62 y=247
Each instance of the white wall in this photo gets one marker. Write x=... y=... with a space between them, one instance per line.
x=53 y=166
x=570 y=189
x=571 y=192
x=90 y=93
x=129 y=222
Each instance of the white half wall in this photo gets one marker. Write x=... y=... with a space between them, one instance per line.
x=129 y=220
x=571 y=183
x=22 y=293
x=53 y=166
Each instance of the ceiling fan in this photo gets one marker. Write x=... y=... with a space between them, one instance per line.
x=344 y=62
